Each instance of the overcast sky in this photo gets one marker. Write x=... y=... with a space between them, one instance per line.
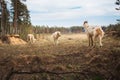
x=72 y=12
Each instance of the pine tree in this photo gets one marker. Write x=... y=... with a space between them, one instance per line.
x=4 y=18
x=20 y=15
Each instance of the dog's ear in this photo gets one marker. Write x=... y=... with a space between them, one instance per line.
x=57 y=33
x=85 y=22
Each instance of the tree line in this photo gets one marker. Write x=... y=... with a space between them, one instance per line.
x=47 y=29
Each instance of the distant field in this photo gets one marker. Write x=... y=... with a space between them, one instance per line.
x=64 y=39
x=71 y=59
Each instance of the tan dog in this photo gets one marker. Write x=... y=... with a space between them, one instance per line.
x=31 y=38
x=93 y=33
x=55 y=36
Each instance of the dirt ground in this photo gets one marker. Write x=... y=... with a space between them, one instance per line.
x=71 y=59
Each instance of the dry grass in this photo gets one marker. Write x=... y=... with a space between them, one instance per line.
x=72 y=54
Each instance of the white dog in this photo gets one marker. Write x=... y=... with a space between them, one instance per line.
x=55 y=36
x=31 y=38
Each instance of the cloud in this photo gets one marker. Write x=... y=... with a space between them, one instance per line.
x=58 y=5
x=76 y=7
x=57 y=10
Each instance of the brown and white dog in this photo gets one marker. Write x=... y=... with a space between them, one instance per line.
x=93 y=33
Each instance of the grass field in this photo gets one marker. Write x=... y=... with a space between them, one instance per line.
x=71 y=59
